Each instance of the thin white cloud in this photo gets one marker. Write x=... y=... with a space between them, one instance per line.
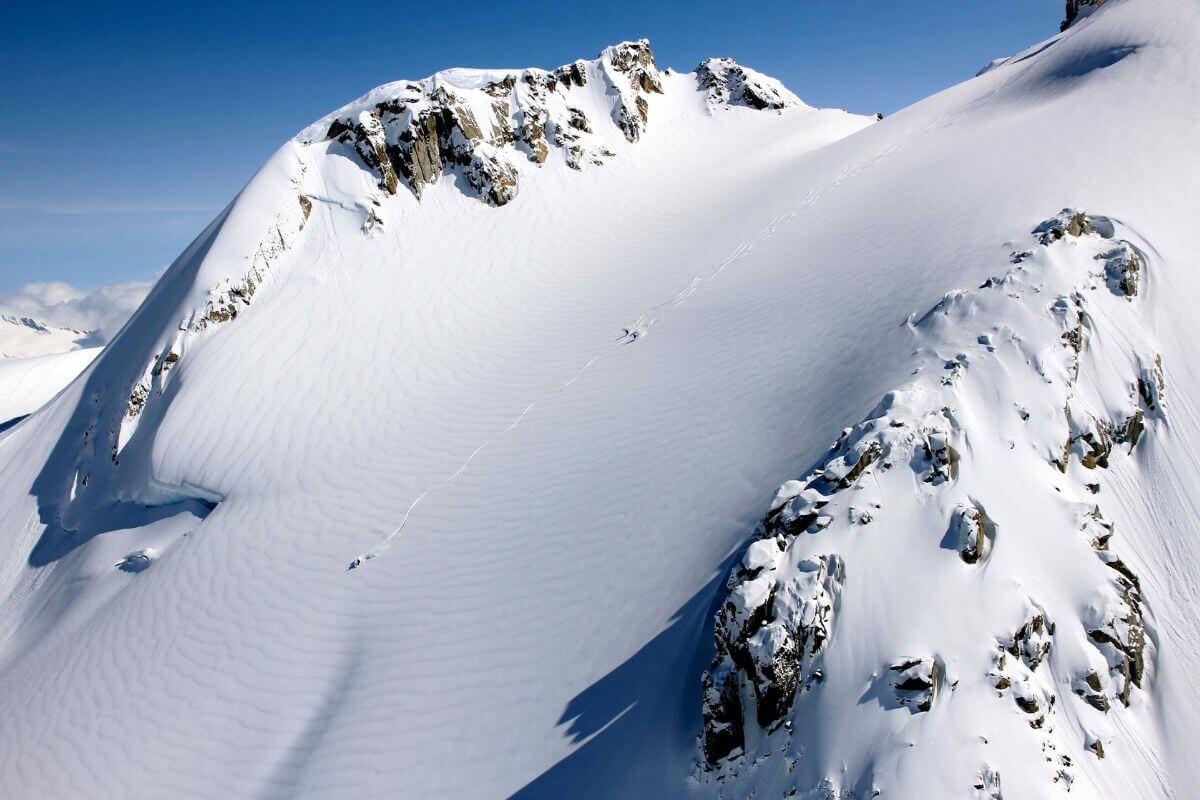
x=101 y=311
x=94 y=207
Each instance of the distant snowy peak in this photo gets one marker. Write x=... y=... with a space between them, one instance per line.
x=482 y=123
x=22 y=337
x=1077 y=9
x=730 y=84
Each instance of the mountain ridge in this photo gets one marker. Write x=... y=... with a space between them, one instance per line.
x=563 y=436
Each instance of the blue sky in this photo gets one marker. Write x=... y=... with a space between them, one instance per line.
x=127 y=127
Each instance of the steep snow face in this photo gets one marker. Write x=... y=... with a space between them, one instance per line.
x=26 y=384
x=545 y=431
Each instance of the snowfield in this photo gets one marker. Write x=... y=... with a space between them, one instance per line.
x=614 y=431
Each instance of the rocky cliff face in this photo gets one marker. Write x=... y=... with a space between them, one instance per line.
x=727 y=83
x=429 y=128
x=483 y=128
x=927 y=468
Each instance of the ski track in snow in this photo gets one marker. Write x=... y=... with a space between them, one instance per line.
x=662 y=310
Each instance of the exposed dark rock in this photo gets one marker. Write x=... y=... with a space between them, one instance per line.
x=137 y=400
x=1121 y=636
x=1068 y=223
x=431 y=129
x=770 y=632
x=532 y=132
x=728 y=83
x=366 y=134
x=579 y=121
x=574 y=74
x=636 y=60
x=501 y=88
x=1093 y=443
x=724 y=733
x=868 y=456
x=1131 y=430
x=916 y=682
x=1123 y=268
x=1016 y=661
x=1091 y=689
x=974 y=532
x=1098 y=529
x=1152 y=385
x=1032 y=641
x=1077 y=9
x=941 y=457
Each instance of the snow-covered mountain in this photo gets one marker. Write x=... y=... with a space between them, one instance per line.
x=42 y=350
x=21 y=337
x=612 y=431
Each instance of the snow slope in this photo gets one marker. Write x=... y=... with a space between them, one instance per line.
x=27 y=384
x=542 y=411
x=36 y=361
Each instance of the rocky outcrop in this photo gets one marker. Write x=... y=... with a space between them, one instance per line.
x=414 y=132
x=1092 y=689
x=1077 y=9
x=1079 y=369
x=424 y=130
x=1091 y=440
x=1069 y=222
x=973 y=532
x=916 y=682
x=727 y=83
x=1123 y=268
x=1152 y=385
x=230 y=296
x=1032 y=640
x=1016 y=661
x=1117 y=627
x=770 y=634
x=635 y=62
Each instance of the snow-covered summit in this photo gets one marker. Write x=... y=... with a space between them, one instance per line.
x=483 y=123
x=729 y=83
x=577 y=449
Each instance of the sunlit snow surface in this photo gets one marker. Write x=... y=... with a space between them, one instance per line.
x=556 y=425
